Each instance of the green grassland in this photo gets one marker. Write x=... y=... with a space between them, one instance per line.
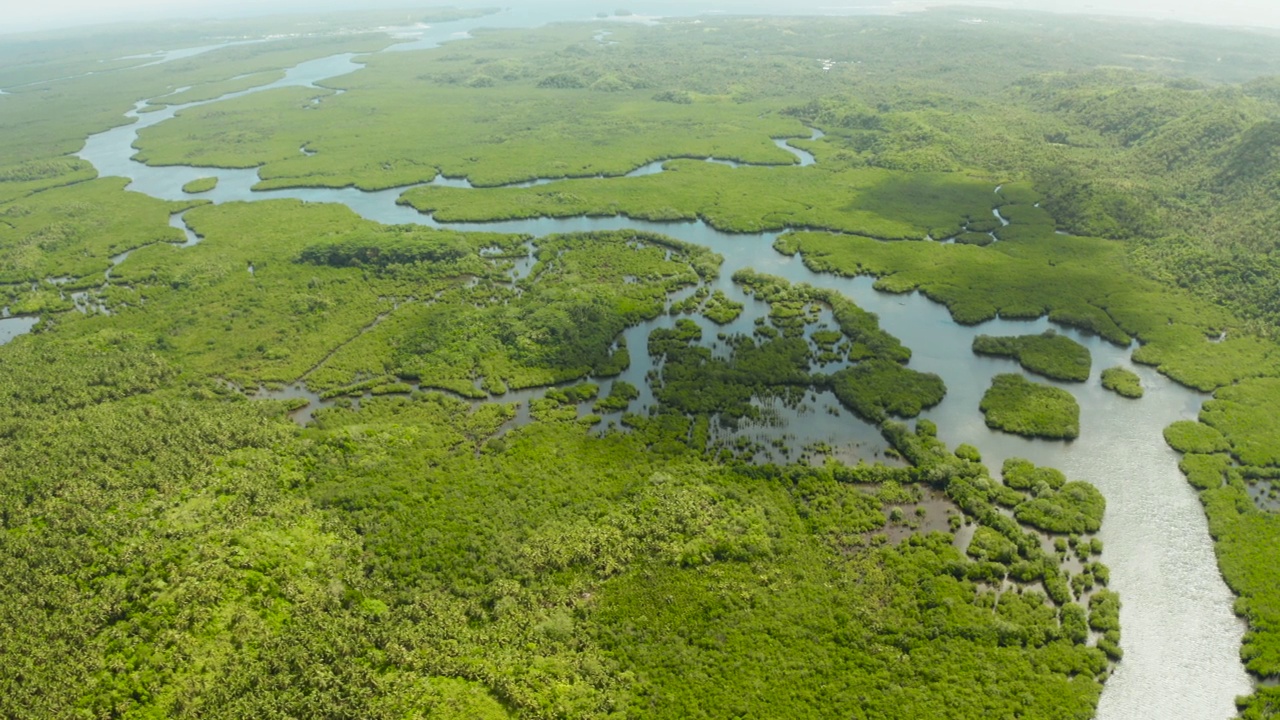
x=1049 y=354
x=1017 y=405
x=1123 y=382
x=200 y=185
x=172 y=547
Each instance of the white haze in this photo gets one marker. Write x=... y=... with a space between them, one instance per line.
x=22 y=16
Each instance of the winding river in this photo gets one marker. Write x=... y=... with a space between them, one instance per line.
x=1180 y=638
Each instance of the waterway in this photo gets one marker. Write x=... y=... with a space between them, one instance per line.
x=1181 y=640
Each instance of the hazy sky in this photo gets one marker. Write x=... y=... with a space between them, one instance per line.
x=36 y=14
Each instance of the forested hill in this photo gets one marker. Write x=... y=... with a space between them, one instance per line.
x=1166 y=139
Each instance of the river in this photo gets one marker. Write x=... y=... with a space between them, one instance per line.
x=1180 y=638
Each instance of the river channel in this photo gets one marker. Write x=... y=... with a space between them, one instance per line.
x=1180 y=638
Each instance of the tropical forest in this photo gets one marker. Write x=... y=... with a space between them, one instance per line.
x=572 y=362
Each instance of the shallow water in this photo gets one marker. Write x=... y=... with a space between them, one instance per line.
x=12 y=327
x=1180 y=638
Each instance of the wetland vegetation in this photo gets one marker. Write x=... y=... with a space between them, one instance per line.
x=1050 y=354
x=1123 y=382
x=490 y=516
x=1017 y=405
x=200 y=185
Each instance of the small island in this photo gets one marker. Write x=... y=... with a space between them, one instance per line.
x=1123 y=382
x=1050 y=354
x=200 y=185
x=1017 y=405
x=721 y=310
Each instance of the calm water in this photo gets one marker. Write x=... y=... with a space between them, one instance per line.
x=12 y=327
x=1180 y=638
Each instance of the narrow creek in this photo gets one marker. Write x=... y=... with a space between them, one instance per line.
x=1180 y=638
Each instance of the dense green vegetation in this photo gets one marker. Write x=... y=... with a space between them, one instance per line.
x=1074 y=281
x=544 y=574
x=1049 y=354
x=171 y=549
x=877 y=388
x=1245 y=414
x=1021 y=474
x=1110 y=125
x=1017 y=405
x=865 y=201
x=1075 y=508
x=620 y=396
x=780 y=363
x=720 y=309
x=1188 y=436
x=74 y=231
x=1123 y=382
x=200 y=185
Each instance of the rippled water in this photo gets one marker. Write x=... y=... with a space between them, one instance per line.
x=1181 y=640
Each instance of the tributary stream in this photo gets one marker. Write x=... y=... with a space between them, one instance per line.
x=1180 y=638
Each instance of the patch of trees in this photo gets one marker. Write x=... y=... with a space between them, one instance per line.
x=876 y=389
x=1017 y=405
x=1049 y=354
x=1075 y=508
x=1123 y=382
x=406 y=248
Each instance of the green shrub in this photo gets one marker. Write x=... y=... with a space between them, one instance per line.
x=1022 y=474
x=1205 y=472
x=1049 y=354
x=876 y=389
x=200 y=185
x=1016 y=405
x=1122 y=381
x=1077 y=507
x=1189 y=436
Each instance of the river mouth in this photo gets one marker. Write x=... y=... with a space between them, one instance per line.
x=1181 y=640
